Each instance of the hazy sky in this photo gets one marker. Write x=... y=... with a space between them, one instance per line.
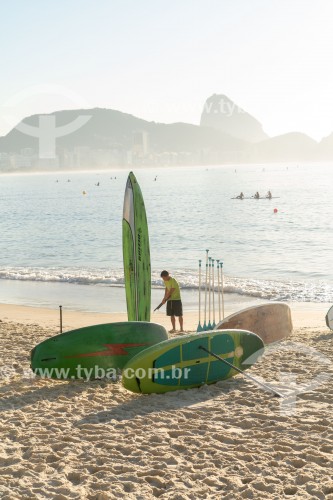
x=161 y=59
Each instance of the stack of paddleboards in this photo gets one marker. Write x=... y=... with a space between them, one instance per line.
x=150 y=362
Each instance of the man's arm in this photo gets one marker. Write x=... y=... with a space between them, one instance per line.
x=168 y=294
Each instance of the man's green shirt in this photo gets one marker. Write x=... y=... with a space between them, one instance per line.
x=172 y=283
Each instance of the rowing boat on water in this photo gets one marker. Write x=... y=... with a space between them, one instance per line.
x=253 y=198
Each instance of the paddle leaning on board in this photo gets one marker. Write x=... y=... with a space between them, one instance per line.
x=193 y=360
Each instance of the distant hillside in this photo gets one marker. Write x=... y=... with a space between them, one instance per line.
x=112 y=138
x=291 y=147
x=220 y=113
x=325 y=148
x=106 y=128
x=109 y=129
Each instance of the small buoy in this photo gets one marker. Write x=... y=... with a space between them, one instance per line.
x=275 y=210
x=84 y=192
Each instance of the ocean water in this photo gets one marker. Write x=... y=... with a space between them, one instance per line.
x=61 y=229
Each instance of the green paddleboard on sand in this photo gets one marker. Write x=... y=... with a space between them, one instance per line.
x=180 y=363
x=136 y=254
x=89 y=352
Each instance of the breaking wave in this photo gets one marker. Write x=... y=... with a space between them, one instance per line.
x=298 y=291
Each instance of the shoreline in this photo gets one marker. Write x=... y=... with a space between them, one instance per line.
x=304 y=315
x=104 y=300
x=128 y=168
x=92 y=294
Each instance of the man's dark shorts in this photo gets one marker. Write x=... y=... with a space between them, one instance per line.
x=174 y=308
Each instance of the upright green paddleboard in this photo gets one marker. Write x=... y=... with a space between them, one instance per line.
x=89 y=352
x=180 y=363
x=136 y=254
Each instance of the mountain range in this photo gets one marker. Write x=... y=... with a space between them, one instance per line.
x=226 y=133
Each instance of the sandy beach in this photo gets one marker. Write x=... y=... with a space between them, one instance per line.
x=95 y=440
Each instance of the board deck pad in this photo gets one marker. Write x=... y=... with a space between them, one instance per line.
x=111 y=345
x=179 y=363
x=136 y=253
x=329 y=318
x=272 y=321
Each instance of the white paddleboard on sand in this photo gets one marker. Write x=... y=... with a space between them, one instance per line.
x=271 y=322
x=329 y=318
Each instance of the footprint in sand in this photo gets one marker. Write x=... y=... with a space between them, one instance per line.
x=290 y=490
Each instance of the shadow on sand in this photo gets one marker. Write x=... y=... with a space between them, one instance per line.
x=143 y=405
x=70 y=389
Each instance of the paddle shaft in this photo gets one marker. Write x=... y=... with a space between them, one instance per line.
x=213 y=289
x=240 y=371
x=222 y=291
x=209 y=288
x=199 y=293
x=60 y=310
x=205 y=318
x=218 y=286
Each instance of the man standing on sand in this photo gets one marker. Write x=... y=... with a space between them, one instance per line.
x=173 y=300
